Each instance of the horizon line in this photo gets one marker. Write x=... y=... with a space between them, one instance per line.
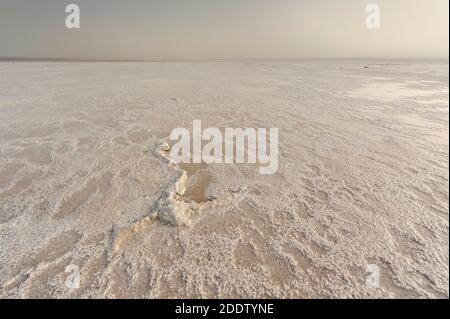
x=58 y=59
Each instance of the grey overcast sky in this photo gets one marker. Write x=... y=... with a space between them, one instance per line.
x=220 y=29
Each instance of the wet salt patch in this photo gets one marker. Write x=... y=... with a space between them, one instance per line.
x=435 y=139
x=391 y=92
x=429 y=81
x=432 y=135
x=381 y=78
x=436 y=101
x=443 y=109
x=415 y=120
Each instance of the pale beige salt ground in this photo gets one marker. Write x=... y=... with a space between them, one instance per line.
x=85 y=180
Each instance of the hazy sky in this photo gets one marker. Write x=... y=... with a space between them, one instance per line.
x=217 y=29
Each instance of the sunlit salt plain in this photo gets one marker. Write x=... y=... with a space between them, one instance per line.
x=362 y=180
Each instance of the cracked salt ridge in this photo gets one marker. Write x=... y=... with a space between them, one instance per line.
x=170 y=208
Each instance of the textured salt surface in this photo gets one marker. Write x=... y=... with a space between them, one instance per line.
x=85 y=180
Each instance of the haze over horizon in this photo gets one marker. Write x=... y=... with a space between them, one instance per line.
x=236 y=29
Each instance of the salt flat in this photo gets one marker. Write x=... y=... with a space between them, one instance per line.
x=362 y=180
